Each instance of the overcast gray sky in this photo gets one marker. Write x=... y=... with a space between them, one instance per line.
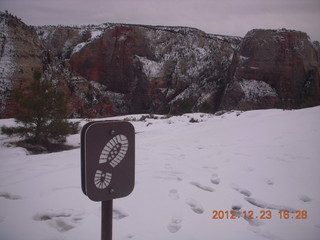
x=228 y=17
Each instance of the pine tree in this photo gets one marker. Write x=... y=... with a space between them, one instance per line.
x=41 y=118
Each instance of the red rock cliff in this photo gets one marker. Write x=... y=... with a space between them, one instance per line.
x=274 y=69
x=22 y=52
x=111 y=69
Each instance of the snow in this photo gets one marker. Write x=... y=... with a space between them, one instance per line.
x=78 y=47
x=262 y=160
x=255 y=90
x=151 y=69
x=243 y=59
x=7 y=65
x=94 y=35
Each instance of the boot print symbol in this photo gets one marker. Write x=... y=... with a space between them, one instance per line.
x=113 y=153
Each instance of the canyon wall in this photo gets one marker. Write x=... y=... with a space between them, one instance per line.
x=113 y=69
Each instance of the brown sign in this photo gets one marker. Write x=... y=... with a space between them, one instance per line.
x=107 y=159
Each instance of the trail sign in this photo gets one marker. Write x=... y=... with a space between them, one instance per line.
x=107 y=159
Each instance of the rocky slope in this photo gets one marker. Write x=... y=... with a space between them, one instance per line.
x=22 y=52
x=146 y=68
x=274 y=68
x=113 y=69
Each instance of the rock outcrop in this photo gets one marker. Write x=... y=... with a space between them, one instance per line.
x=274 y=69
x=22 y=52
x=145 y=68
x=112 y=69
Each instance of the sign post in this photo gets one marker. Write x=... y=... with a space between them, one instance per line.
x=106 y=220
x=107 y=165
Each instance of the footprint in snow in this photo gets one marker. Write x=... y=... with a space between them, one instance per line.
x=173 y=194
x=118 y=213
x=236 y=206
x=9 y=196
x=268 y=181
x=243 y=191
x=61 y=220
x=304 y=198
x=168 y=175
x=215 y=179
x=210 y=167
x=202 y=187
x=261 y=204
x=195 y=206
x=253 y=222
x=175 y=224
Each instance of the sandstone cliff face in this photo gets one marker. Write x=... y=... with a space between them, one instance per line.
x=146 y=68
x=111 y=69
x=274 y=69
x=22 y=52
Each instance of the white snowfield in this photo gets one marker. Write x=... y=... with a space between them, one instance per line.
x=257 y=163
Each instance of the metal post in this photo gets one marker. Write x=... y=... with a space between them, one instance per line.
x=106 y=220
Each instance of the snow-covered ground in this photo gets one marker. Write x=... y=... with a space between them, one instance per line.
x=266 y=160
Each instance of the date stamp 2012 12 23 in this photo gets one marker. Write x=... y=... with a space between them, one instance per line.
x=263 y=214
